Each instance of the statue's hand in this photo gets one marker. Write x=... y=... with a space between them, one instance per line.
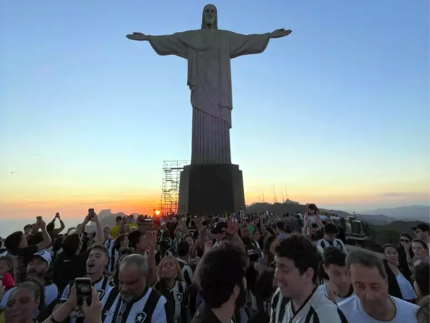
x=137 y=36
x=278 y=33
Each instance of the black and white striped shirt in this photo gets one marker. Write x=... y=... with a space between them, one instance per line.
x=336 y=243
x=186 y=270
x=317 y=308
x=151 y=307
x=103 y=286
x=177 y=299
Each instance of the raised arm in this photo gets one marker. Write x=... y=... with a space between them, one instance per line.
x=163 y=45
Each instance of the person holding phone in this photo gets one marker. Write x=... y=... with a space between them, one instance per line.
x=16 y=244
x=53 y=232
x=91 y=312
x=96 y=263
x=71 y=263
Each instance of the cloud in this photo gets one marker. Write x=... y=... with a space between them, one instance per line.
x=404 y=195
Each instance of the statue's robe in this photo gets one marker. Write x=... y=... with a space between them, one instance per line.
x=208 y=52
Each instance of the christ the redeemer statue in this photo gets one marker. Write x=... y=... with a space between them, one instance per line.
x=208 y=51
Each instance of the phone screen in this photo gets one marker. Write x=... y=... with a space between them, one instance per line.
x=91 y=213
x=39 y=220
x=83 y=290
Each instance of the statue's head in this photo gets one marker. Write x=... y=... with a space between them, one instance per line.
x=210 y=17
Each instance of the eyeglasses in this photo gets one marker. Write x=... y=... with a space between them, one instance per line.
x=404 y=240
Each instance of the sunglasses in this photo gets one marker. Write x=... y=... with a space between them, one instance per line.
x=404 y=240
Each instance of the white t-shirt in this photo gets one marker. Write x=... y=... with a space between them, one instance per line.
x=351 y=308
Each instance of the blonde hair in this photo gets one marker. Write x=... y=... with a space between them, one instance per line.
x=423 y=311
x=179 y=275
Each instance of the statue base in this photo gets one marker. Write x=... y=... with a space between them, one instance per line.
x=208 y=189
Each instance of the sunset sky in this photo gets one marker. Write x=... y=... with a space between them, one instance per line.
x=337 y=113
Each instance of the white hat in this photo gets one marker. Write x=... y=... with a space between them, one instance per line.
x=46 y=255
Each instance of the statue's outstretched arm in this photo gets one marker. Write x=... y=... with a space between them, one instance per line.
x=163 y=45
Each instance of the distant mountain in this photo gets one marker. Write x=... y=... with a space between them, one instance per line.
x=414 y=212
x=282 y=208
x=378 y=219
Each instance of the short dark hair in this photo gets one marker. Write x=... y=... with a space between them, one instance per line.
x=71 y=244
x=367 y=259
x=183 y=248
x=334 y=256
x=119 y=217
x=422 y=275
x=331 y=228
x=118 y=240
x=423 y=227
x=101 y=248
x=216 y=286
x=280 y=226
x=13 y=240
x=425 y=246
x=125 y=251
x=28 y=226
x=134 y=237
x=388 y=245
x=301 y=251
x=50 y=226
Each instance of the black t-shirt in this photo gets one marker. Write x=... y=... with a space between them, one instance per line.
x=23 y=256
x=66 y=269
x=204 y=314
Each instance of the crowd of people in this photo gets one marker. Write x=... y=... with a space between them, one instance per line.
x=212 y=269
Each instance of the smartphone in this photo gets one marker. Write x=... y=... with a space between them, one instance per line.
x=38 y=220
x=83 y=291
x=91 y=213
x=57 y=215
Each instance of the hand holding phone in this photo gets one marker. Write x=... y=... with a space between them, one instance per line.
x=91 y=214
x=57 y=215
x=84 y=290
x=38 y=220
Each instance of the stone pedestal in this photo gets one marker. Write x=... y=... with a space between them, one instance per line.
x=209 y=189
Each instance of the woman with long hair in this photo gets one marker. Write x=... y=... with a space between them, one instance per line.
x=398 y=284
x=124 y=252
x=120 y=242
x=421 y=253
x=171 y=285
x=405 y=248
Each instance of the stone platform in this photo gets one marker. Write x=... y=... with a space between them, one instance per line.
x=208 y=189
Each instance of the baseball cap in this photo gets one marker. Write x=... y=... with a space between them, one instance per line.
x=422 y=227
x=45 y=255
x=218 y=227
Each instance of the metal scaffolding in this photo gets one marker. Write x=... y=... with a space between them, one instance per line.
x=170 y=185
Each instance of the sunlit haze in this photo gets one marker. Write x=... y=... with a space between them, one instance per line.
x=336 y=114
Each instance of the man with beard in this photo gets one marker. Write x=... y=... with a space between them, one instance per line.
x=222 y=281
x=134 y=300
x=96 y=263
x=38 y=269
x=298 y=299
x=372 y=304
